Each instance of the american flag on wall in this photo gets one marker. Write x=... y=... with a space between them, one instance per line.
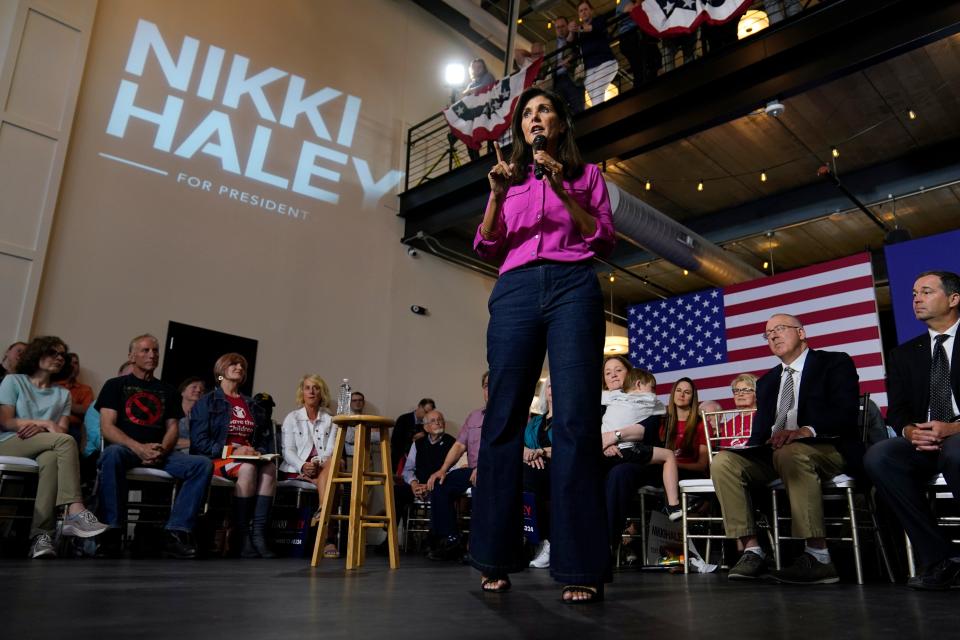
x=713 y=335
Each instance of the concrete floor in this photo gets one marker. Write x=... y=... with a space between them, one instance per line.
x=236 y=599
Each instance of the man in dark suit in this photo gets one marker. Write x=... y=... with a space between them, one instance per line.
x=923 y=384
x=805 y=429
x=407 y=429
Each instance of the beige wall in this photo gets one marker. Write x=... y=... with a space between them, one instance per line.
x=132 y=249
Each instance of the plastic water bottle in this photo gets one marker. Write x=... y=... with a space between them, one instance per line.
x=343 y=399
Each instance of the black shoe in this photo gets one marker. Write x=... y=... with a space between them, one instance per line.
x=259 y=544
x=940 y=577
x=807 y=570
x=179 y=545
x=750 y=566
x=110 y=544
x=446 y=551
x=673 y=512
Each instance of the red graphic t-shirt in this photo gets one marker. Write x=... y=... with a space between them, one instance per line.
x=241 y=426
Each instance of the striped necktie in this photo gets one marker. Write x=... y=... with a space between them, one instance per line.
x=941 y=407
x=786 y=400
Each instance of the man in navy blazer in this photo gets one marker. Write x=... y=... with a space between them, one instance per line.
x=922 y=406
x=805 y=430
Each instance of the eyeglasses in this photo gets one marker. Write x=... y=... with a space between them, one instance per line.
x=53 y=352
x=777 y=330
x=435 y=422
x=739 y=391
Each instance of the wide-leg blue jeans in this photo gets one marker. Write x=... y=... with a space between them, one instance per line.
x=554 y=309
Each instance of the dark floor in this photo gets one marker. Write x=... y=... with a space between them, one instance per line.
x=239 y=599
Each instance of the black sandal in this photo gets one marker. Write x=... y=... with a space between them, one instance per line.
x=595 y=593
x=503 y=588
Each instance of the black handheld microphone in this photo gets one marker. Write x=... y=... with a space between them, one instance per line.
x=539 y=144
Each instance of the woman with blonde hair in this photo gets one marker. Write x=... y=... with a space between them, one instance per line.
x=309 y=435
x=227 y=417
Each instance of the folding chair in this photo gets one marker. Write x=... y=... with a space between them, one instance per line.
x=841 y=488
x=417 y=521
x=938 y=490
x=727 y=429
x=15 y=474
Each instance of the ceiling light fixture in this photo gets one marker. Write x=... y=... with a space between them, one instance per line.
x=648 y=185
x=700 y=186
x=911 y=114
x=835 y=152
x=763 y=176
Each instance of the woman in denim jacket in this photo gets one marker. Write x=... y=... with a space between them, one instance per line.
x=225 y=417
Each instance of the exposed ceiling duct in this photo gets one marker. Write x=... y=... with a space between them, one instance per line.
x=485 y=23
x=659 y=234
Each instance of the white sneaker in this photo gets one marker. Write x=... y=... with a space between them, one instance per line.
x=82 y=525
x=542 y=558
x=42 y=547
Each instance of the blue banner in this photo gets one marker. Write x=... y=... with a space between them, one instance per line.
x=908 y=259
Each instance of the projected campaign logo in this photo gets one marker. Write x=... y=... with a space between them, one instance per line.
x=248 y=158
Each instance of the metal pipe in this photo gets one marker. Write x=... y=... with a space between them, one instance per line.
x=825 y=172
x=656 y=232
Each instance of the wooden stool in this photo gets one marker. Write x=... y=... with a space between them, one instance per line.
x=359 y=478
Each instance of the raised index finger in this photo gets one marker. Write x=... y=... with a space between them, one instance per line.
x=496 y=147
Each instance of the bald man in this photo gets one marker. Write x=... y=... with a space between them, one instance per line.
x=805 y=430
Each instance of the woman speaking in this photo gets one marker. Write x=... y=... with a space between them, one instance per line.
x=547 y=216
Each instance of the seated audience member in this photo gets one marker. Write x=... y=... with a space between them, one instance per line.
x=537 y=452
x=876 y=424
x=406 y=429
x=683 y=430
x=805 y=429
x=81 y=397
x=923 y=391
x=623 y=432
x=447 y=486
x=190 y=390
x=309 y=435
x=735 y=431
x=91 y=424
x=425 y=457
x=226 y=417
x=358 y=403
x=11 y=358
x=138 y=417
x=34 y=415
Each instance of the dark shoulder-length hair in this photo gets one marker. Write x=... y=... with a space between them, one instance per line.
x=521 y=153
x=690 y=426
x=37 y=349
x=622 y=360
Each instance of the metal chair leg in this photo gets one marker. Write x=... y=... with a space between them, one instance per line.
x=776 y=530
x=855 y=536
x=878 y=536
x=686 y=540
x=643 y=529
x=911 y=564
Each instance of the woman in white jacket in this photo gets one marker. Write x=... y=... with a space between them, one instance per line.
x=308 y=439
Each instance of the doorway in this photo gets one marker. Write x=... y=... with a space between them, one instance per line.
x=192 y=351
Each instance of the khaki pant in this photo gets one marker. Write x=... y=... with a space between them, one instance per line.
x=800 y=465
x=59 y=481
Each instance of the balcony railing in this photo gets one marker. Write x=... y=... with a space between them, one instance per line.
x=432 y=151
